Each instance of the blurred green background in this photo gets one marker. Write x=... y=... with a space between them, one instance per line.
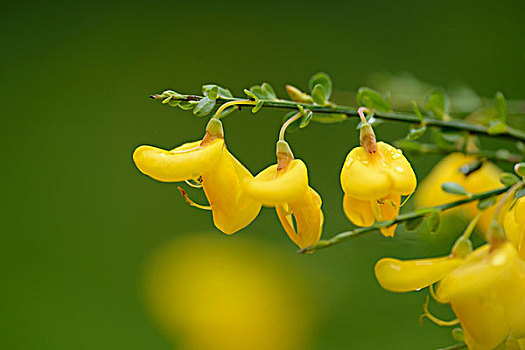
x=79 y=220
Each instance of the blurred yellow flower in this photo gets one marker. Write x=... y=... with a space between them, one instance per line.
x=486 y=178
x=285 y=186
x=373 y=182
x=221 y=174
x=206 y=293
x=514 y=225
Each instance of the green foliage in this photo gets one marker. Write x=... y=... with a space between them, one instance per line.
x=306 y=119
x=372 y=99
x=487 y=202
x=413 y=224
x=508 y=179
x=454 y=188
x=204 y=107
x=434 y=222
x=438 y=104
x=220 y=91
x=321 y=79
x=319 y=94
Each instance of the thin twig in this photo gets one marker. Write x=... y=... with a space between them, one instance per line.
x=510 y=133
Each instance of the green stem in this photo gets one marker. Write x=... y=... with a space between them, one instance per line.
x=509 y=133
x=427 y=148
x=345 y=236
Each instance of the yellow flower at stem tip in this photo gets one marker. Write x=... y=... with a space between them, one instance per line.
x=373 y=178
x=485 y=178
x=221 y=174
x=285 y=186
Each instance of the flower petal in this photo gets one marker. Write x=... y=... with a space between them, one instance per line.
x=400 y=171
x=185 y=162
x=408 y=275
x=224 y=187
x=271 y=187
x=357 y=211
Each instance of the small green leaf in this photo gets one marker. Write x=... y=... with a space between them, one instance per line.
x=520 y=193
x=268 y=91
x=214 y=93
x=520 y=169
x=174 y=103
x=257 y=106
x=434 y=222
x=204 y=107
x=497 y=127
x=457 y=334
x=416 y=110
x=251 y=95
x=222 y=91
x=416 y=132
x=372 y=99
x=438 y=104
x=508 y=179
x=257 y=90
x=324 y=80
x=319 y=94
x=471 y=167
x=501 y=106
x=454 y=188
x=413 y=224
x=487 y=202
x=308 y=115
x=187 y=105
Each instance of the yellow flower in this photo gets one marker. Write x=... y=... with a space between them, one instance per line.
x=484 y=179
x=487 y=294
x=285 y=187
x=514 y=225
x=208 y=294
x=222 y=175
x=373 y=183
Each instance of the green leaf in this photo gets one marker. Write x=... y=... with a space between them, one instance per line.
x=268 y=91
x=372 y=99
x=520 y=169
x=257 y=91
x=497 y=127
x=204 y=107
x=508 y=179
x=306 y=119
x=434 y=222
x=454 y=188
x=487 y=202
x=324 y=80
x=457 y=334
x=471 y=167
x=174 y=103
x=257 y=106
x=409 y=146
x=187 y=105
x=222 y=91
x=251 y=95
x=501 y=106
x=438 y=104
x=319 y=94
x=413 y=224
x=214 y=93
x=416 y=110
x=520 y=193
x=416 y=132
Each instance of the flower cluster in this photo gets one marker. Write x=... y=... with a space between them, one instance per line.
x=374 y=177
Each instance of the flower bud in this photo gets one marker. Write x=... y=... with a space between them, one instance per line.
x=297 y=95
x=367 y=138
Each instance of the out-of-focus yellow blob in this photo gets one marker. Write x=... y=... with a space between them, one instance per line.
x=484 y=179
x=297 y=205
x=404 y=276
x=487 y=293
x=374 y=183
x=206 y=293
x=514 y=225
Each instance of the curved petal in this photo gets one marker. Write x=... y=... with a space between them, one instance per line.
x=224 y=187
x=308 y=217
x=362 y=176
x=403 y=276
x=400 y=171
x=185 y=162
x=271 y=187
x=357 y=211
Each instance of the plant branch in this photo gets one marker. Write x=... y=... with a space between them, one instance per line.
x=509 y=133
x=345 y=236
x=427 y=148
